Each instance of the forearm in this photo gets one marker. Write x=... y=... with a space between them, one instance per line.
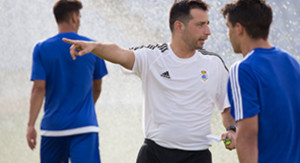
x=229 y=125
x=246 y=140
x=246 y=149
x=36 y=101
x=97 y=86
x=96 y=96
x=108 y=51
x=115 y=54
x=227 y=118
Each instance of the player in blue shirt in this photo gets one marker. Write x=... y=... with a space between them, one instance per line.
x=263 y=88
x=69 y=127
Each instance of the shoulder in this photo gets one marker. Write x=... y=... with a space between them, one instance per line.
x=158 y=47
x=288 y=55
x=213 y=56
x=49 y=41
x=38 y=44
x=98 y=59
x=250 y=62
x=41 y=44
x=244 y=68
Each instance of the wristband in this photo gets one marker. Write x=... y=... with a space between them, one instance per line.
x=233 y=128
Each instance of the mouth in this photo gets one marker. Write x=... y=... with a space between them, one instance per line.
x=202 y=40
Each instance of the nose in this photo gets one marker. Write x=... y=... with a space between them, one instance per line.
x=207 y=30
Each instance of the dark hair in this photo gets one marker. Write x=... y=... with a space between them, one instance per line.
x=62 y=9
x=254 y=15
x=180 y=10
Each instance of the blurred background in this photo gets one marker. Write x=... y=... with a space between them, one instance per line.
x=128 y=23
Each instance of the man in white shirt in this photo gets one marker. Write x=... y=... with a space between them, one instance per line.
x=181 y=86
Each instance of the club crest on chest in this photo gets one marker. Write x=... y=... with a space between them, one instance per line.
x=204 y=76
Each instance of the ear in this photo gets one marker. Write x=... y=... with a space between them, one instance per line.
x=240 y=29
x=178 y=26
x=74 y=17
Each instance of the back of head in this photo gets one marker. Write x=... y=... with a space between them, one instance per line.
x=180 y=11
x=254 y=15
x=63 y=9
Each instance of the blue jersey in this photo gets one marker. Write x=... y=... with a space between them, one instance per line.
x=69 y=107
x=267 y=83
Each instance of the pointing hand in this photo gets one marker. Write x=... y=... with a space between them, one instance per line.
x=79 y=48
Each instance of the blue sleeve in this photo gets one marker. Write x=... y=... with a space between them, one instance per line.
x=100 y=69
x=243 y=92
x=38 y=70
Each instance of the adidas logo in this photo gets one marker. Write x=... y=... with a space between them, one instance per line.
x=165 y=74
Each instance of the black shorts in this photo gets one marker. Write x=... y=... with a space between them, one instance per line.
x=151 y=152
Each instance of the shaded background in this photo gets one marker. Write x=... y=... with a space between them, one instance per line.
x=127 y=23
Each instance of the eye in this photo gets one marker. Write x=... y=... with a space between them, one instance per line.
x=201 y=24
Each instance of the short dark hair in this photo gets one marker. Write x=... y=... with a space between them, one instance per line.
x=255 y=15
x=62 y=9
x=180 y=10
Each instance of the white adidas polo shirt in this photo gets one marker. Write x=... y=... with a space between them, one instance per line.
x=180 y=95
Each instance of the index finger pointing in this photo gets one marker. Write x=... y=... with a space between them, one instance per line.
x=69 y=41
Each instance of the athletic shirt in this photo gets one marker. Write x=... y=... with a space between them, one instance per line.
x=69 y=107
x=267 y=83
x=180 y=95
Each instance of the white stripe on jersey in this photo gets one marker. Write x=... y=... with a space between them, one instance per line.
x=75 y=131
x=236 y=91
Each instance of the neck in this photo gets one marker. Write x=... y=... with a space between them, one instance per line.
x=251 y=44
x=66 y=27
x=181 y=49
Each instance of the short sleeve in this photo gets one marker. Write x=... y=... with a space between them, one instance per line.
x=140 y=66
x=222 y=98
x=100 y=69
x=243 y=92
x=38 y=71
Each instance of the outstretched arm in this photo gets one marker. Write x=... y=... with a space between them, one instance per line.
x=107 y=51
x=36 y=101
